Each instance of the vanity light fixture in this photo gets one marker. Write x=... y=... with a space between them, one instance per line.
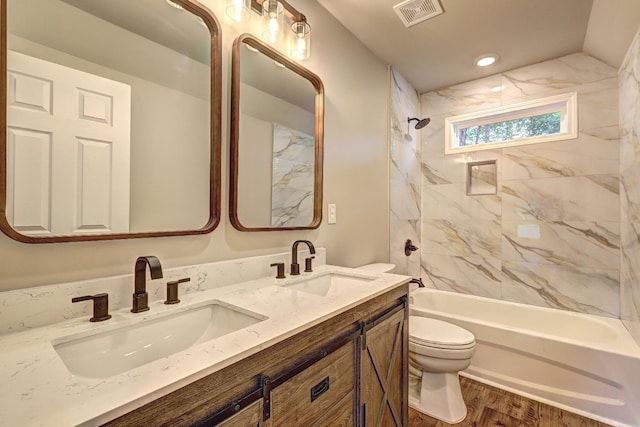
x=301 y=43
x=486 y=60
x=238 y=10
x=273 y=13
x=272 y=21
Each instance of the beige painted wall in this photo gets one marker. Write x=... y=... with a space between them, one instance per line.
x=355 y=169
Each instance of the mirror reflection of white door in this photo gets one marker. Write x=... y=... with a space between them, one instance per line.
x=68 y=135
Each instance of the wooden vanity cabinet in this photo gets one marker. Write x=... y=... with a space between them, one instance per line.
x=312 y=396
x=349 y=370
x=384 y=373
x=250 y=416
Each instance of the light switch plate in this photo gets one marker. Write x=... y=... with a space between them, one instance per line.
x=331 y=216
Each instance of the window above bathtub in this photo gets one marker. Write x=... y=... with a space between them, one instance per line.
x=540 y=120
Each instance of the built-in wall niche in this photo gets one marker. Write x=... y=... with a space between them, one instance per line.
x=277 y=109
x=112 y=120
x=482 y=178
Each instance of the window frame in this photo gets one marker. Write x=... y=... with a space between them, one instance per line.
x=566 y=104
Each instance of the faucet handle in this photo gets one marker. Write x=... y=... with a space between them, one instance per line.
x=100 y=306
x=172 y=290
x=280 y=270
x=308 y=264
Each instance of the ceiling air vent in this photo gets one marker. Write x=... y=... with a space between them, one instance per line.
x=412 y=12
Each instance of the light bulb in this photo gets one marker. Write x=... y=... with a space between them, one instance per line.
x=272 y=15
x=273 y=29
x=238 y=10
x=301 y=41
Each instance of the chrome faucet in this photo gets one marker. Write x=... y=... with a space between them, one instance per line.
x=140 y=295
x=295 y=267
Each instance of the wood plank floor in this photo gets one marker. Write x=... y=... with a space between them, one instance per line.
x=491 y=407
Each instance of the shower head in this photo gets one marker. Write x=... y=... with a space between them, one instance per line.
x=421 y=122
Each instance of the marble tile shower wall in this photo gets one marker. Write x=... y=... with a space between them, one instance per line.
x=405 y=176
x=551 y=236
x=630 y=188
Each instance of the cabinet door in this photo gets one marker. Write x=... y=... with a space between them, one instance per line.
x=248 y=417
x=384 y=381
x=313 y=394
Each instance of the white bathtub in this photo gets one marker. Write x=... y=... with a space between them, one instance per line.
x=586 y=364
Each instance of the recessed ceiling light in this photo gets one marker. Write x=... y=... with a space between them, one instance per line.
x=485 y=60
x=498 y=88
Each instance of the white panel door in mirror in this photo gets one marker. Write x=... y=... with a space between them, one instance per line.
x=68 y=154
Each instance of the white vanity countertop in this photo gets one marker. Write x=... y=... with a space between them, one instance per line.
x=37 y=388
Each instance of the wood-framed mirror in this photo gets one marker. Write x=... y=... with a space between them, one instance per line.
x=111 y=118
x=276 y=140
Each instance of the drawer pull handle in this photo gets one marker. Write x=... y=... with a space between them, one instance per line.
x=318 y=389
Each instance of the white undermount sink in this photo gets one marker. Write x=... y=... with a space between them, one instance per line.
x=330 y=284
x=113 y=352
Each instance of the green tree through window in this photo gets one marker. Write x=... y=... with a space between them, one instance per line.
x=526 y=127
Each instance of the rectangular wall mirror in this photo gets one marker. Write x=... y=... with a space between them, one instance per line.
x=111 y=116
x=277 y=119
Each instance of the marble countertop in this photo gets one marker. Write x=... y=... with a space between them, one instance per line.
x=38 y=389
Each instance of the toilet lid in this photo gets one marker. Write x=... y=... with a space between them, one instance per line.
x=436 y=333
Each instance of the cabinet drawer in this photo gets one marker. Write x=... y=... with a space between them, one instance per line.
x=315 y=391
x=341 y=415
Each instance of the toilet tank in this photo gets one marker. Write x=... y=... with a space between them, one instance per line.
x=378 y=267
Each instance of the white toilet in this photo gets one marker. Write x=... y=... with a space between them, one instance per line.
x=437 y=352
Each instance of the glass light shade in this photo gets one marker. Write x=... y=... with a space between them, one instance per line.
x=272 y=20
x=238 y=10
x=301 y=41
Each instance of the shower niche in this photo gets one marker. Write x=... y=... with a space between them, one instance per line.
x=482 y=178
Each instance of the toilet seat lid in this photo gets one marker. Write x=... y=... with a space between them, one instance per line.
x=436 y=333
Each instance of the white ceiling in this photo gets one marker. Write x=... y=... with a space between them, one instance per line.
x=441 y=51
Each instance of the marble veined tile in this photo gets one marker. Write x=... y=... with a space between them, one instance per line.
x=630 y=180
x=598 y=104
x=405 y=175
x=404 y=196
x=580 y=198
x=450 y=201
x=630 y=292
x=594 y=152
x=405 y=161
x=458 y=99
x=475 y=276
x=476 y=238
x=405 y=100
x=629 y=108
x=632 y=58
x=559 y=73
x=292 y=177
x=401 y=230
x=440 y=168
x=630 y=188
x=578 y=244
x=585 y=290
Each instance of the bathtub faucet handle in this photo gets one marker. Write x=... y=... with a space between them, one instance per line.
x=409 y=247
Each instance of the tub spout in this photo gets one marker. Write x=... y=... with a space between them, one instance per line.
x=418 y=281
